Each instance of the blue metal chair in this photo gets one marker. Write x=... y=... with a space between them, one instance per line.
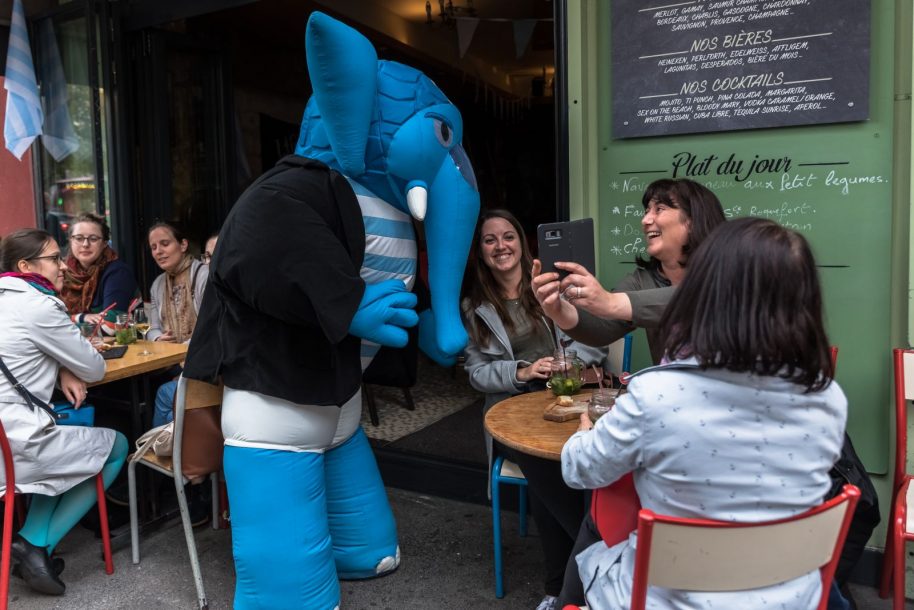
x=508 y=473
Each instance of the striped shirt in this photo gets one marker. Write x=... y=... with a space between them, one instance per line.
x=390 y=248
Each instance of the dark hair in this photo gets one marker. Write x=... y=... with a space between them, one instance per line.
x=93 y=218
x=172 y=227
x=480 y=285
x=22 y=245
x=751 y=302
x=701 y=207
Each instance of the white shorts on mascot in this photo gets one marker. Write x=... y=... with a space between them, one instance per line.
x=312 y=274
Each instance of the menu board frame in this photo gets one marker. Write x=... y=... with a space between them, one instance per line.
x=693 y=66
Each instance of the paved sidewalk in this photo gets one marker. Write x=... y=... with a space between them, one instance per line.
x=446 y=548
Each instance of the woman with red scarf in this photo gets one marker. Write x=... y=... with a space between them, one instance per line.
x=95 y=278
x=40 y=348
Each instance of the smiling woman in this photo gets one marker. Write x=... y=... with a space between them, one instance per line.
x=678 y=216
x=510 y=352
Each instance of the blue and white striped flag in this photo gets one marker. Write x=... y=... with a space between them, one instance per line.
x=58 y=138
x=23 y=107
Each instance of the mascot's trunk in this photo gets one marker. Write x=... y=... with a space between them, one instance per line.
x=453 y=207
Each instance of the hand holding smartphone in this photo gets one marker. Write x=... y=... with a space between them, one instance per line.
x=569 y=241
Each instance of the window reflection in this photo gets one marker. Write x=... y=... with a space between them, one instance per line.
x=67 y=158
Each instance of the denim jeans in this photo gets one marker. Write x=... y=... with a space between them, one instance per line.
x=165 y=397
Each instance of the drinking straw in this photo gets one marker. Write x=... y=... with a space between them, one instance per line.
x=102 y=314
x=133 y=305
x=599 y=376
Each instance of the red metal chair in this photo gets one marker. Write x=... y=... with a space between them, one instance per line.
x=10 y=500
x=900 y=530
x=703 y=555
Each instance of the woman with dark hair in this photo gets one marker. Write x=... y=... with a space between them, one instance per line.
x=177 y=293
x=742 y=424
x=678 y=216
x=510 y=352
x=40 y=346
x=95 y=278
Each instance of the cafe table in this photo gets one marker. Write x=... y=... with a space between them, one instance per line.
x=134 y=366
x=517 y=422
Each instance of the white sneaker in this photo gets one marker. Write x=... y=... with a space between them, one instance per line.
x=548 y=603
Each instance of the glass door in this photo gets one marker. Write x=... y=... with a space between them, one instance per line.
x=72 y=156
x=184 y=137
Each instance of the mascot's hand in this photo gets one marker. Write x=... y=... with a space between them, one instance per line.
x=428 y=342
x=385 y=311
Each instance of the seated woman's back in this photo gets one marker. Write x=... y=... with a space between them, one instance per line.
x=743 y=424
x=727 y=445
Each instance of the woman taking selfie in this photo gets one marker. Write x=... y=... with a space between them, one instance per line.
x=742 y=424
x=40 y=346
x=678 y=216
x=178 y=292
x=510 y=352
x=95 y=278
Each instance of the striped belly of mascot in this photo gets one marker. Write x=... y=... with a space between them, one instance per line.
x=312 y=274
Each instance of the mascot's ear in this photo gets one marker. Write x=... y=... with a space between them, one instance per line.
x=344 y=72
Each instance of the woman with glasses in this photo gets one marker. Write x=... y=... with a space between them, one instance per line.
x=41 y=347
x=95 y=277
x=209 y=249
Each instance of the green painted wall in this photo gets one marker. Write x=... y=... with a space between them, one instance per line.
x=861 y=231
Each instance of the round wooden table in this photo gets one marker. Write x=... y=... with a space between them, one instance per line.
x=517 y=422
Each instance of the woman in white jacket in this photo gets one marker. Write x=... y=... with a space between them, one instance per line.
x=510 y=352
x=743 y=424
x=40 y=346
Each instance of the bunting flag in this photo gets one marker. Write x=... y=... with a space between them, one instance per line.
x=523 y=31
x=466 y=28
x=23 y=107
x=58 y=138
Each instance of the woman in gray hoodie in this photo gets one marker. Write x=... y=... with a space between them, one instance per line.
x=510 y=352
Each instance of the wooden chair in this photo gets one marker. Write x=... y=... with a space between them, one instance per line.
x=10 y=501
x=191 y=394
x=901 y=527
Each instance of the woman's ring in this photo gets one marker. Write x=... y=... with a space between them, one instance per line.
x=578 y=295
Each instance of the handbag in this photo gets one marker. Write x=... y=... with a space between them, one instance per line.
x=83 y=416
x=159 y=440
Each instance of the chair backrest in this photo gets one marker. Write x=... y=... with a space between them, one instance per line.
x=619 y=358
x=204 y=454
x=903 y=360
x=703 y=555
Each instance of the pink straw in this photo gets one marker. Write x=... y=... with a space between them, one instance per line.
x=133 y=305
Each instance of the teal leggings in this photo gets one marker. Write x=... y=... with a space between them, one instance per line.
x=51 y=517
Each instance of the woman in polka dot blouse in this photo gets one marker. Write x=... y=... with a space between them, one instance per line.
x=742 y=423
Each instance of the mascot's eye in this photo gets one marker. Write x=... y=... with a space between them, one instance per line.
x=444 y=133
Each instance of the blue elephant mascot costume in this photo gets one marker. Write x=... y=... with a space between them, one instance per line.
x=311 y=276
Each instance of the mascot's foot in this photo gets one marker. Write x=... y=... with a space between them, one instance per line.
x=384 y=567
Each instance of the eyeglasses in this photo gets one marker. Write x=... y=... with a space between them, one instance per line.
x=81 y=239
x=54 y=258
x=206 y=257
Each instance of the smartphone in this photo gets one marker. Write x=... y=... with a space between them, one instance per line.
x=569 y=241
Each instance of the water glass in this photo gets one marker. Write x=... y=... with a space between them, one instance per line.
x=601 y=402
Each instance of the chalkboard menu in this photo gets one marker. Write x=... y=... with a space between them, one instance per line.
x=721 y=65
